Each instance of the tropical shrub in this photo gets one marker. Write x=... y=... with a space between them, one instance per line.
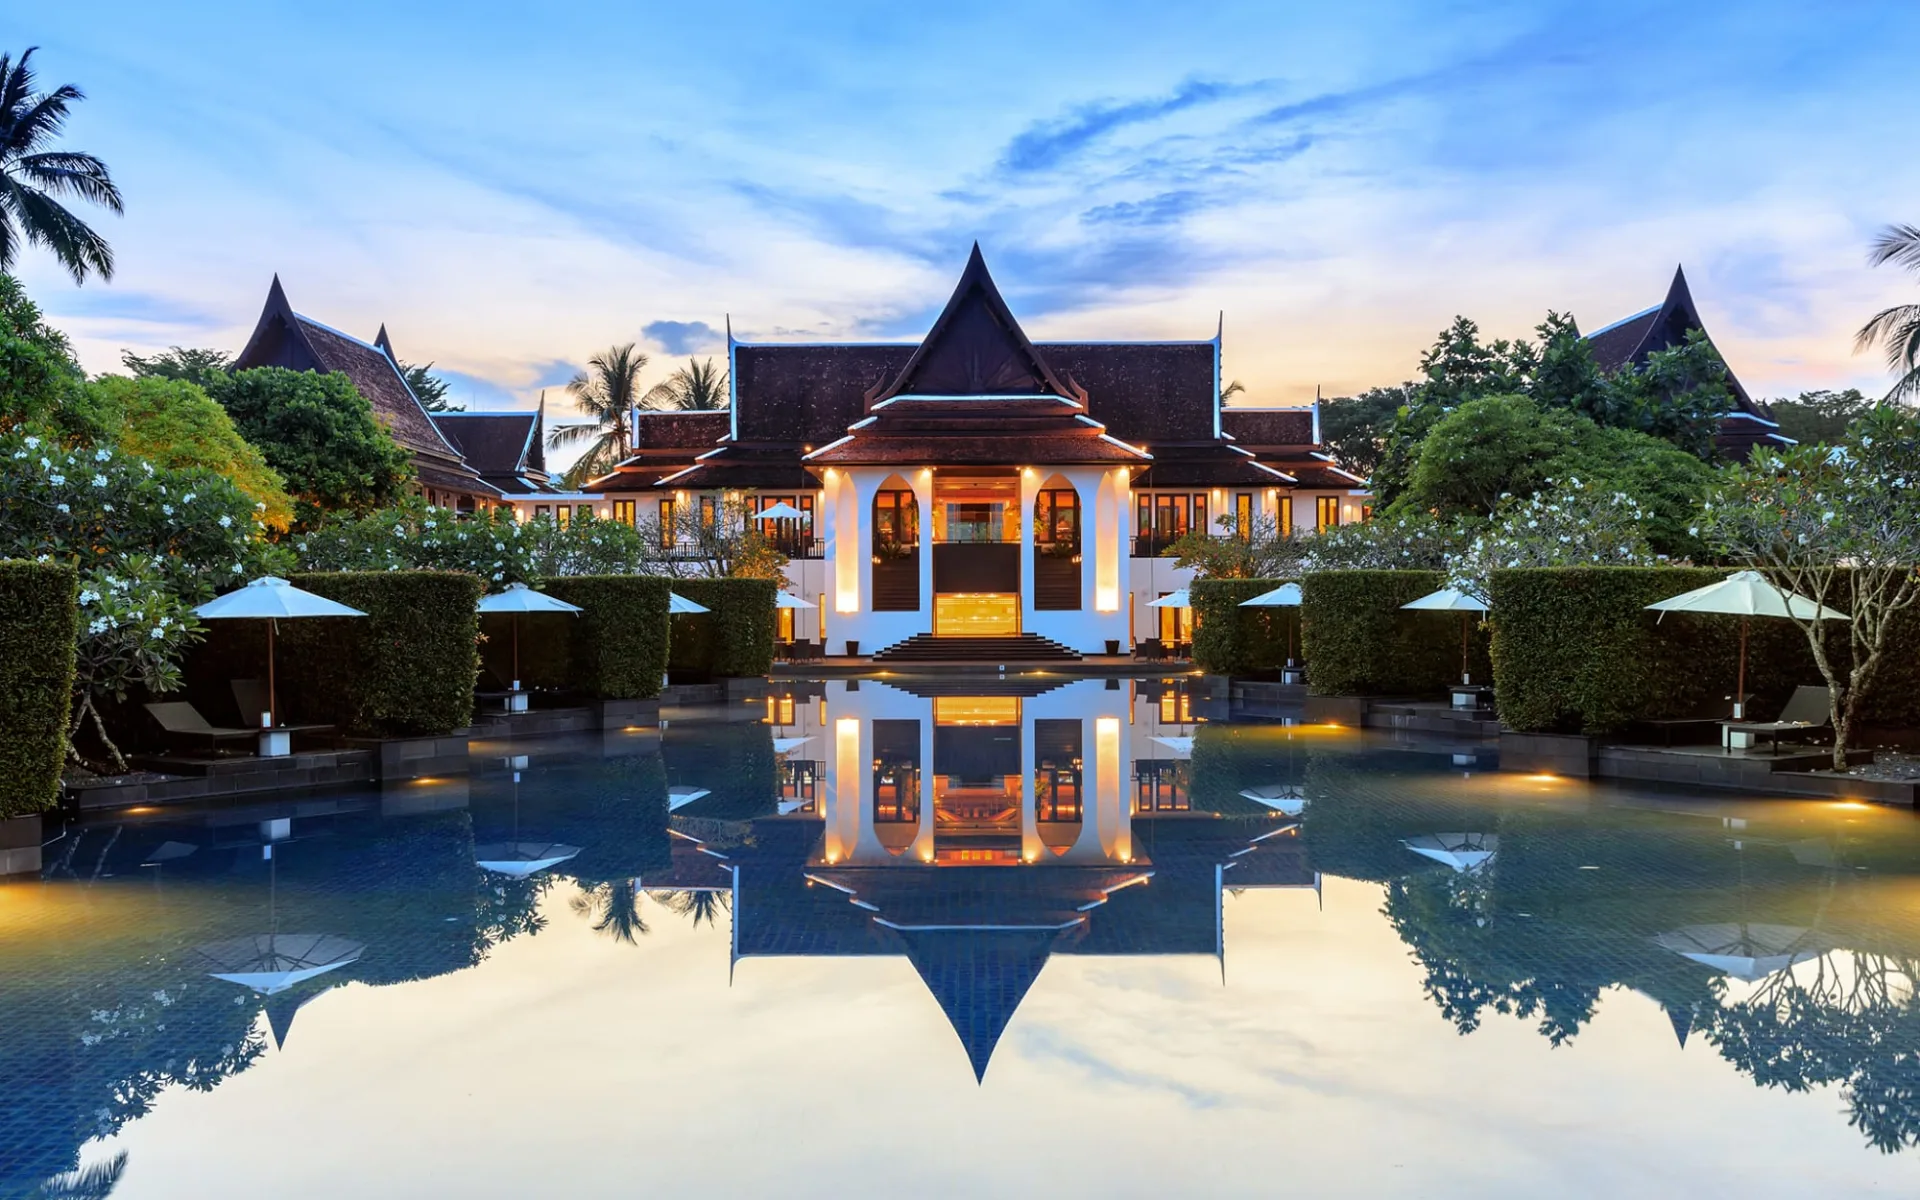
x=37 y=630
x=617 y=646
x=405 y=669
x=1396 y=541
x=172 y=423
x=1231 y=640
x=1359 y=642
x=492 y=545
x=320 y=434
x=1576 y=524
x=735 y=639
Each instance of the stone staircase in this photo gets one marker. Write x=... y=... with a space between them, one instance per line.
x=985 y=651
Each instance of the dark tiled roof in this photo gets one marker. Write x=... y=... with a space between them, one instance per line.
x=446 y=474
x=494 y=443
x=1614 y=346
x=1629 y=342
x=979 y=978
x=1036 y=429
x=1145 y=392
x=1254 y=428
x=808 y=395
x=695 y=432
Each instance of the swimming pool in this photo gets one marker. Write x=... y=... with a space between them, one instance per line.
x=1042 y=936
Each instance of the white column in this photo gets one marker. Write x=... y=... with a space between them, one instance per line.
x=1031 y=847
x=922 y=848
x=923 y=496
x=1029 y=491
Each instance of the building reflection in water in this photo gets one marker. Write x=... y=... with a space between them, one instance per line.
x=979 y=827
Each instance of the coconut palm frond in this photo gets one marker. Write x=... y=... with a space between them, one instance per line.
x=1897 y=244
x=94 y=1182
x=32 y=174
x=697 y=387
x=1898 y=330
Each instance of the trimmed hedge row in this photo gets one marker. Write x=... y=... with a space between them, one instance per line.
x=39 y=624
x=617 y=647
x=405 y=669
x=1574 y=650
x=1231 y=640
x=735 y=639
x=1358 y=641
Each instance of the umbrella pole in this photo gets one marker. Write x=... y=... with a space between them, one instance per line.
x=516 y=650
x=1740 y=680
x=272 y=720
x=1466 y=638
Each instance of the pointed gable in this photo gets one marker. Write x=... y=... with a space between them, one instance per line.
x=1628 y=342
x=976 y=348
x=979 y=978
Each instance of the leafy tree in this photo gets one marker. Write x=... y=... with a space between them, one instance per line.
x=34 y=176
x=1665 y=482
x=199 y=366
x=696 y=387
x=607 y=392
x=1355 y=429
x=1897 y=328
x=1483 y=450
x=1266 y=552
x=1679 y=394
x=320 y=434
x=492 y=545
x=1567 y=377
x=1575 y=524
x=39 y=379
x=1457 y=368
x=429 y=388
x=729 y=545
x=1817 y=520
x=173 y=423
x=1819 y=416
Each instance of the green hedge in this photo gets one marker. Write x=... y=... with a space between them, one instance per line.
x=735 y=639
x=39 y=622
x=405 y=669
x=1359 y=642
x=617 y=647
x=1231 y=640
x=1575 y=650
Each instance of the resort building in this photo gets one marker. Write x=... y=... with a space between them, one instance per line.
x=979 y=484
x=1628 y=341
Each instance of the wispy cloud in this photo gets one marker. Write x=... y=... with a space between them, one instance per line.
x=1048 y=144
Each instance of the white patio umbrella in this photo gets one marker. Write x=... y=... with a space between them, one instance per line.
x=679 y=796
x=781 y=511
x=787 y=600
x=1287 y=595
x=1454 y=600
x=1178 y=599
x=1746 y=594
x=676 y=603
x=1746 y=952
x=517 y=598
x=515 y=857
x=271 y=599
x=1464 y=852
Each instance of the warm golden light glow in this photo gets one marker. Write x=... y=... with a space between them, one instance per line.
x=976 y=614
x=976 y=710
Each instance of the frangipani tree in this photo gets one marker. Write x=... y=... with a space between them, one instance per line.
x=1573 y=524
x=1840 y=525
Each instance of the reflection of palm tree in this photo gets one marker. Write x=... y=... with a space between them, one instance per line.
x=88 y=1183
x=700 y=905
x=614 y=908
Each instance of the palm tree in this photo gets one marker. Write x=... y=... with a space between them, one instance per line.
x=1231 y=390
x=1897 y=328
x=32 y=175
x=606 y=391
x=86 y=1183
x=696 y=387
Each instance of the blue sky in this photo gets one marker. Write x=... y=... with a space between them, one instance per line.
x=511 y=190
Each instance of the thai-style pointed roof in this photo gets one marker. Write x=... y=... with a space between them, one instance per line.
x=977 y=348
x=978 y=978
x=1628 y=342
x=285 y=338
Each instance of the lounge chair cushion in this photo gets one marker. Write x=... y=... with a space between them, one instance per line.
x=178 y=716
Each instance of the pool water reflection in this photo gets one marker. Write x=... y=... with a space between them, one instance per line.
x=876 y=937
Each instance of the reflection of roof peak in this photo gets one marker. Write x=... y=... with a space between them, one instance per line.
x=978 y=977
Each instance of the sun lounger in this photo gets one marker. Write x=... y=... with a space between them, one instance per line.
x=182 y=720
x=1809 y=709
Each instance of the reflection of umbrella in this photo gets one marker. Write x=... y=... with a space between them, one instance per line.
x=1454 y=600
x=676 y=603
x=680 y=796
x=1177 y=599
x=1287 y=799
x=521 y=859
x=781 y=511
x=517 y=598
x=1746 y=594
x=789 y=745
x=784 y=600
x=1746 y=952
x=1464 y=852
x=273 y=962
x=271 y=599
x=1179 y=745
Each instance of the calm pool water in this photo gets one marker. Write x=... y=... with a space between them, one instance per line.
x=1068 y=939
